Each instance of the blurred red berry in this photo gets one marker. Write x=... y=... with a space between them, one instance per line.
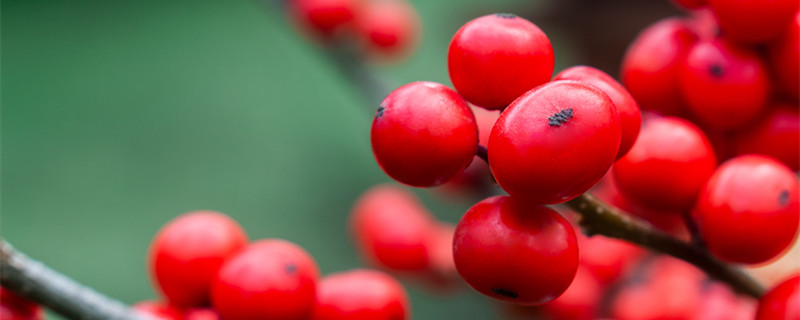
x=667 y=166
x=784 y=59
x=651 y=64
x=14 y=307
x=782 y=302
x=389 y=27
x=424 y=134
x=776 y=134
x=269 y=279
x=514 y=251
x=324 y=19
x=157 y=310
x=574 y=124
x=361 y=295
x=580 y=301
x=724 y=86
x=754 y=21
x=630 y=116
x=496 y=58
x=188 y=251
x=392 y=229
x=749 y=210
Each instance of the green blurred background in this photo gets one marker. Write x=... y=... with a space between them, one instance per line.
x=119 y=115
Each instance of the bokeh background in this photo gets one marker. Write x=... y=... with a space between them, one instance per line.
x=119 y=115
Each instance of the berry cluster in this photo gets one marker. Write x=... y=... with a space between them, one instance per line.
x=14 y=307
x=206 y=269
x=382 y=29
x=556 y=138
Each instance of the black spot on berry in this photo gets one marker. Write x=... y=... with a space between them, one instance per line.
x=783 y=198
x=505 y=293
x=379 y=114
x=506 y=15
x=716 y=70
x=290 y=268
x=560 y=118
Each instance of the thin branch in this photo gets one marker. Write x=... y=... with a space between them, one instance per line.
x=597 y=217
x=34 y=281
x=483 y=153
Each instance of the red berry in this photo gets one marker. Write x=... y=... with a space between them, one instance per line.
x=784 y=59
x=724 y=86
x=630 y=116
x=324 y=18
x=188 y=251
x=607 y=259
x=754 y=21
x=201 y=314
x=579 y=302
x=270 y=279
x=476 y=179
x=650 y=66
x=749 y=210
x=720 y=303
x=361 y=295
x=515 y=251
x=14 y=307
x=782 y=302
x=667 y=166
x=158 y=310
x=777 y=135
x=575 y=125
x=389 y=27
x=392 y=228
x=424 y=134
x=494 y=59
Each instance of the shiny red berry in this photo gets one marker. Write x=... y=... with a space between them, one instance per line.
x=725 y=86
x=650 y=66
x=776 y=134
x=630 y=116
x=749 y=210
x=157 y=310
x=782 y=302
x=188 y=251
x=784 y=60
x=14 y=307
x=424 y=134
x=390 y=28
x=392 y=229
x=754 y=21
x=270 y=279
x=494 y=59
x=361 y=295
x=515 y=251
x=554 y=142
x=667 y=166
x=324 y=19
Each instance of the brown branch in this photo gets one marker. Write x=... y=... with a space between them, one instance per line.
x=34 y=281
x=597 y=217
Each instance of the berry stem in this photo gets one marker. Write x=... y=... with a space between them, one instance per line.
x=36 y=282
x=483 y=153
x=597 y=217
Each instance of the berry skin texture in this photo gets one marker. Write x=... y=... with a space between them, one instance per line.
x=494 y=59
x=724 y=86
x=324 y=19
x=270 y=279
x=361 y=295
x=188 y=251
x=389 y=27
x=14 y=307
x=515 y=251
x=424 y=134
x=392 y=229
x=784 y=59
x=749 y=210
x=630 y=116
x=777 y=135
x=650 y=66
x=668 y=165
x=782 y=302
x=754 y=21
x=575 y=125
